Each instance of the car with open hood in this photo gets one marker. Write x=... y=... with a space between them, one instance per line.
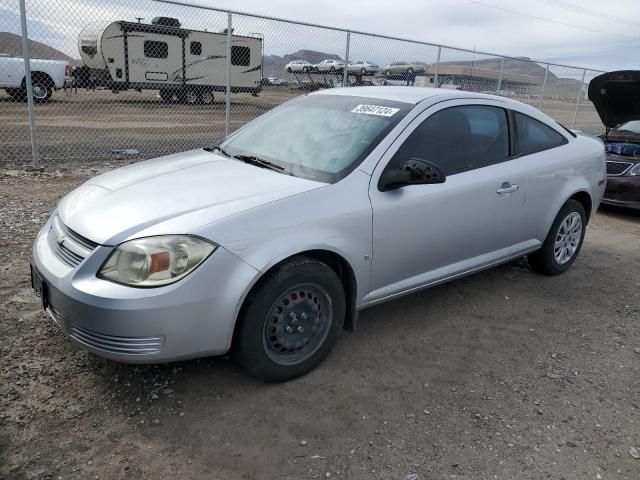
x=269 y=242
x=616 y=96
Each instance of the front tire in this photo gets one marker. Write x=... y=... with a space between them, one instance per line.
x=290 y=321
x=564 y=241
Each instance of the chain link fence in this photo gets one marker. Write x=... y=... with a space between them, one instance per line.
x=143 y=78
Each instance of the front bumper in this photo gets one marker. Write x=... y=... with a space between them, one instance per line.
x=623 y=191
x=192 y=318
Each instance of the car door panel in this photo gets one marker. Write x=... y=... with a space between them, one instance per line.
x=426 y=233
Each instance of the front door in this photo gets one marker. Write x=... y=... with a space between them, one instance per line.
x=423 y=234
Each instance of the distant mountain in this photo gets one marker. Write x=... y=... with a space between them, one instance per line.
x=11 y=45
x=511 y=65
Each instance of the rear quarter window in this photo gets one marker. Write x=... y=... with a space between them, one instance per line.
x=534 y=136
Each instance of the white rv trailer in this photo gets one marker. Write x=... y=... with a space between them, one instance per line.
x=189 y=64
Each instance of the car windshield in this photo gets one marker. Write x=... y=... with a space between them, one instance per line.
x=318 y=137
x=632 y=126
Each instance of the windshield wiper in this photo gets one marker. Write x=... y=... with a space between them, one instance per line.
x=259 y=162
x=218 y=148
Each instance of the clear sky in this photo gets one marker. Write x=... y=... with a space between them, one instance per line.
x=596 y=34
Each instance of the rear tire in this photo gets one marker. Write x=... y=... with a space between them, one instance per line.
x=188 y=96
x=206 y=97
x=387 y=73
x=290 y=321
x=167 y=95
x=42 y=87
x=564 y=241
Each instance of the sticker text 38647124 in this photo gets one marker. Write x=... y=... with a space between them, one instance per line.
x=375 y=110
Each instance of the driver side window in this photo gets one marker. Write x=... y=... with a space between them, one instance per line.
x=458 y=139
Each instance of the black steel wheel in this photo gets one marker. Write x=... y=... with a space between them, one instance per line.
x=290 y=320
x=297 y=324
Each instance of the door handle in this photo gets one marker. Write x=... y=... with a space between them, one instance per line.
x=506 y=187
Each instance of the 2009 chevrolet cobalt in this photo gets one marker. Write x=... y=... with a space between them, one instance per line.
x=269 y=242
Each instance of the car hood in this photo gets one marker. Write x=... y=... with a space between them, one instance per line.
x=173 y=194
x=616 y=96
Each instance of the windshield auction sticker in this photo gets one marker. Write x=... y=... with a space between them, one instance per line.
x=376 y=110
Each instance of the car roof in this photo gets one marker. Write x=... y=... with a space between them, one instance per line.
x=405 y=94
x=415 y=95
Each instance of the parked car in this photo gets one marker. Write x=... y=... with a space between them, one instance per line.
x=272 y=240
x=613 y=95
x=271 y=81
x=401 y=67
x=298 y=66
x=46 y=77
x=329 y=65
x=363 y=68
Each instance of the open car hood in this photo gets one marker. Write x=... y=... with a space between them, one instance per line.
x=616 y=96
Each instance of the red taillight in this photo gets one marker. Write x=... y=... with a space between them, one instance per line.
x=68 y=71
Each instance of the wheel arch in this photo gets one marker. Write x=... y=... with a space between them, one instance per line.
x=584 y=198
x=337 y=262
x=44 y=76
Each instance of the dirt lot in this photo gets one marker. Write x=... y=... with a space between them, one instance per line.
x=504 y=374
x=92 y=124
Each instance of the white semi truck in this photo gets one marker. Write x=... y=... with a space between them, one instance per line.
x=46 y=76
x=188 y=64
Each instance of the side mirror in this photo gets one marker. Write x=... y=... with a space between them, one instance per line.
x=414 y=171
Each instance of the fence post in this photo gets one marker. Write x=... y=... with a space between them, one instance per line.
x=345 y=74
x=575 y=114
x=27 y=76
x=227 y=111
x=544 y=84
x=500 y=76
x=435 y=77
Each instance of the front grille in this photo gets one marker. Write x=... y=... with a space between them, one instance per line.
x=70 y=247
x=115 y=344
x=617 y=168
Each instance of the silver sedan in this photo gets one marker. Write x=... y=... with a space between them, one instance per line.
x=363 y=68
x=270 y=242
x=401 y=67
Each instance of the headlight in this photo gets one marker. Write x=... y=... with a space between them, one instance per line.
x=635 y=170
x=155 y=261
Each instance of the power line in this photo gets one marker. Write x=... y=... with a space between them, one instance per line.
x=588 y=11
x=543 y=19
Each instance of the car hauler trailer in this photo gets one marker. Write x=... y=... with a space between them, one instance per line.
x=187 y=64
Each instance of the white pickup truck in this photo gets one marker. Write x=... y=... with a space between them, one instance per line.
x=46 y=76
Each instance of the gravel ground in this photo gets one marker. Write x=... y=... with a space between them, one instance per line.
x=504 y=374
